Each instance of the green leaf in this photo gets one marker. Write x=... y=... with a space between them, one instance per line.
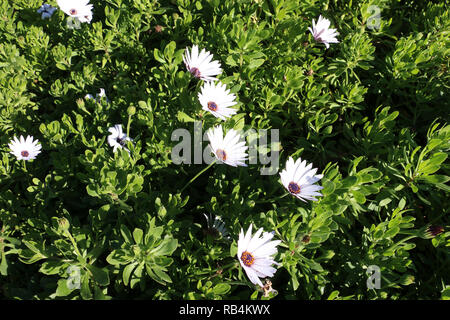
x=52 y=267
x=100 y=275
x=221 y=288
x=328 y=187
x=127 y=271
x=91 y=191
x=138 y=235
x=333 y=295
x=126 y=234
x=391 y=233
x=162 y=277
x=85 y=290
x=359 y=196
x=295 y=83
x=119 y=256
x=3 y=265
x=183 y=117
x=158 y=56
x=62 y=290
x=433 y=164
x=446 y=293
x=349 y=182
x=255 y=63
x=434 y=179
x=167 y=247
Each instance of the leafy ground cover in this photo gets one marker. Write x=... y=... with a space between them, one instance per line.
x=84 y=220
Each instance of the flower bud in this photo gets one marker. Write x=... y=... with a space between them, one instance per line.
x=433 y=231
x=131 y=110
x=63 y=224
x=407 y=279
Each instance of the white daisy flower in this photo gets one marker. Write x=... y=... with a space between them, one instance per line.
x=200 y=65
x=80 y=9
x=25 y=149
x=117 y=138
x=322 y=32
x=46 y=10
x=299 y=178
x=255 y=254
x=227 y=150
x=216 y=98
x=216 y=226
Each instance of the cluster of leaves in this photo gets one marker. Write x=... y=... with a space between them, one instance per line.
x=82 y=222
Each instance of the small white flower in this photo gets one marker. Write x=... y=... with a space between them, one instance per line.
x=255 y=254
x=227 y=150
x=299 y=178
x=216 y=98
x=118 y=139
x=98 y=96
x=25 y=149
x=216 y=226
x=102 y=93
x=80 y=9
x=322 y=32
x=200 y=65
x=46 y=10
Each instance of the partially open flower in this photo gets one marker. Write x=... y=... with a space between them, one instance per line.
x=117 y=138
x=323 y=33
x=216 y=227
x=433 y=231
x=98 y=96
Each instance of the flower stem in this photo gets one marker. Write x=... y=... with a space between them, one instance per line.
x=274 y=199
x=74 y=244
x=25 y=165
x=128 y=125
x=198 y=174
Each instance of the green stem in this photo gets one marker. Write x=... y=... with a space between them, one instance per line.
x=25 y=165
x=128 y=125
x=274 y=199
x=230 y=266
x=74 y=244
x=198 y=174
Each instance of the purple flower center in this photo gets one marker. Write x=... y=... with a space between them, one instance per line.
x=294 y=188
x=120 y=141
x=195 y=72
x=24 y=153
x=73 y=12
x=247 y=258
x=318 y=37
x=212 y=106
x=221 y=154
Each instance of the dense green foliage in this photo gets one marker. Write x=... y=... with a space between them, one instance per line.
x=370 y=112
